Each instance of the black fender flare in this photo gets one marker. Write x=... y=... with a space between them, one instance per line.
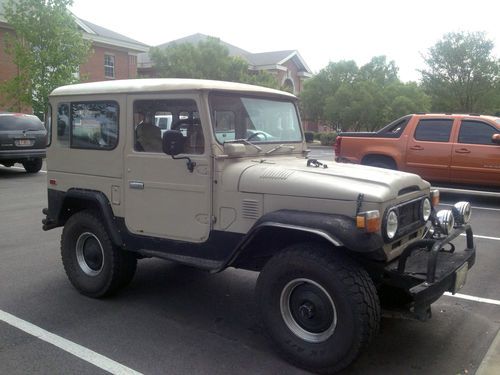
x=339 y=230
x=62 y=204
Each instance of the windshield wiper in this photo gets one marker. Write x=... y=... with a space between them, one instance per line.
x=242 y=140
x=291 y=148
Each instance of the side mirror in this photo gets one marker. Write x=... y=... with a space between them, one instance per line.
x=495 y=138
x=173 y=142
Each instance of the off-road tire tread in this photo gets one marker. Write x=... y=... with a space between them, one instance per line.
x=356 y=281
x=123 y=264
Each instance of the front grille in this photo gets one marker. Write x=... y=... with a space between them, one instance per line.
x=409 y=213
x=409 y=218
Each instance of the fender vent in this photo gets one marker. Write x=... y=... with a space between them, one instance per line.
x=250 y=209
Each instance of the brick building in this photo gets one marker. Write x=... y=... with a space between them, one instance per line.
x=288 y=66
x=113 y=56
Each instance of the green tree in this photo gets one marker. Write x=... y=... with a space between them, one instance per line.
x=208 y=59
x=366 y=98
x=461 y=75
x=47 y=49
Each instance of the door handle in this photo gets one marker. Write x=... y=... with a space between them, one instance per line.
x=139 y=185
x=416 y=148
x=462 y=151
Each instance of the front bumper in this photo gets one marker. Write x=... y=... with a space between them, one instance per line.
x=425 y=270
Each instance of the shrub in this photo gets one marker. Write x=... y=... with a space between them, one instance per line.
x=317 y=136
x=328 y=139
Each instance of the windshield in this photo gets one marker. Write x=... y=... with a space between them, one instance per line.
x=255 y=119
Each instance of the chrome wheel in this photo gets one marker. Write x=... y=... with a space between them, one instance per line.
x=308 y=310
x=89 y=254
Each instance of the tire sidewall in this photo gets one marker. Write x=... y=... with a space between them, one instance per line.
x=78 y=224
x=340 y=345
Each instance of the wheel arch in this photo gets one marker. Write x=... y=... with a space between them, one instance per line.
x=277 y=230
x=63 y=205
x=371 y=157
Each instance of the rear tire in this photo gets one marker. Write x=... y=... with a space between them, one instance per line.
x=319 y=307
x=33 y=166
x=94 y=265
x=381 y=162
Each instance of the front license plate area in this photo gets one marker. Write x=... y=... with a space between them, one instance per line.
x=460 y=277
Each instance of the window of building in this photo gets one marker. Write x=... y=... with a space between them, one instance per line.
x=434 y=130
x=132 y=60
x=94 y=125
x=476 y=132
x=109 y=66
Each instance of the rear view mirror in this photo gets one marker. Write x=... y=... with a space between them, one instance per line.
x=173 y=142
x=495 y=138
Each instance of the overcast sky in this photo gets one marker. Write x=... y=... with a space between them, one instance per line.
x=322 y=31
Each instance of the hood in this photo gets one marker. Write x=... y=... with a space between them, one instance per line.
x=339 y=181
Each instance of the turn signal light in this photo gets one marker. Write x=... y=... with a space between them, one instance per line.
x=369 y=221
x=434 y=197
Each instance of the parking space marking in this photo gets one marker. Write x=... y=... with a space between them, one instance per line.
x=77 y=350
x=473 y=298
x=474 y=207
x=484 y=237
x=22 y=169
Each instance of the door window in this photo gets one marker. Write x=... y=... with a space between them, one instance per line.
x=476 y=132
x=152 y=118
x=434 y=130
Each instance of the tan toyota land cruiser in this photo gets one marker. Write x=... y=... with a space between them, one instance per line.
x=229 y=184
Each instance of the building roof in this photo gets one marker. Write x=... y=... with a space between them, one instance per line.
x=263 y=60
x=98 y=34
x=162 y=85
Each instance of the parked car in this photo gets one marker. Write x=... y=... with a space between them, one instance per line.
x=334 y=244
x=442 y=148
x=23 y=139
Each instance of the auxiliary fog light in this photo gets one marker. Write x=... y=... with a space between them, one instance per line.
x=446 y=221
x=462 y=212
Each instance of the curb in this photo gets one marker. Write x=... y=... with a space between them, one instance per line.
x=490 y=365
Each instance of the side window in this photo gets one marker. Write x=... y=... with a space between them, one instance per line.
x=48 y=124
x=94 y=125
x=63 y=124
x=152 y=118
x=476 y=132
x=435 y=130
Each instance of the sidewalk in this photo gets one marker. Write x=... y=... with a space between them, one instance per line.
x=491 y=361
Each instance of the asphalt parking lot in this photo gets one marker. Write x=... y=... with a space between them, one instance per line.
x=177 y=320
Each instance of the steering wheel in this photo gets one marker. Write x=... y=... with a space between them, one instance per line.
x=257 y=133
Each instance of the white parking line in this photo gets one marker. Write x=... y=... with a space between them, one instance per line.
x=21 y=168
x=485 y=237
x=472 y=298
x=77 y=350
x=474 y=207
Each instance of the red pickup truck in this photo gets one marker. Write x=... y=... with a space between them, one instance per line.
x=446 y=148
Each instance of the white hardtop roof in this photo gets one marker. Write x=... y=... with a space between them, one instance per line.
x=161 y=85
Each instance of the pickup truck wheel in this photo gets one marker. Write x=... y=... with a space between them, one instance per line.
x=319 y=307
x=94 y=265
x=33 y=166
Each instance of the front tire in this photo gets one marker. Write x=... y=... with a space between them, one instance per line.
x=93 y=264
x=319 y=307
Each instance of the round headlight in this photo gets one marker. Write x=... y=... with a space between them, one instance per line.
x=391 y=226
x=426 y=209
x=446 y=221
x=464 y=212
